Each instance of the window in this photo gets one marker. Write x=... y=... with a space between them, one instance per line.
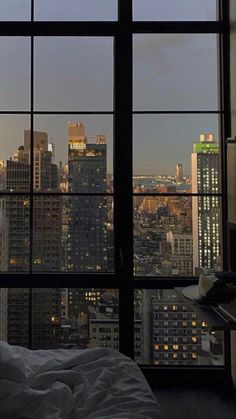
x=111 y=173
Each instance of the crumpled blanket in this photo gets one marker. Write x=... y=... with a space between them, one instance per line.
x=72 y=384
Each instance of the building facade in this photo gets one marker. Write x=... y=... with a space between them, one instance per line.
x=87 y=215
x=206 y=209
x=33 y=315
x=179 y=173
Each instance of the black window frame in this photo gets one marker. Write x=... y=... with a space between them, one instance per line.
x=122 y=32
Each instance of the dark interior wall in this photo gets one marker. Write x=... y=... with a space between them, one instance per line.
x=231 y=154
x=233 y=65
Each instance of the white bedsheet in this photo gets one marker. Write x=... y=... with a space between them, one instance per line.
x=72 y=384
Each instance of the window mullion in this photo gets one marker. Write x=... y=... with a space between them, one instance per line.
x=123 y=208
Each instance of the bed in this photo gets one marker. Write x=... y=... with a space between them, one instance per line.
x=72 y=384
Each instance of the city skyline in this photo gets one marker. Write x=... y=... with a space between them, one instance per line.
x=174 y=75
x=142 y=153
x=72 y=234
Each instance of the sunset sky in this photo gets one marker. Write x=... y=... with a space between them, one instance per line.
x=171 y=72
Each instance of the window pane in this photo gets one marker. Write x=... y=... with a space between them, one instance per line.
x=3 y=313
x=176 y=154
x=47 y=237
x=14 y=73
x=175 y=72
x=169 y=332
x=175 y=236
x=87 y=165
x=14 y=163
x=175 y=10
x=63 y=318
x=73 y=234
x=65 y=75
x=75 y=10
x=14 y=233
x=15 y=10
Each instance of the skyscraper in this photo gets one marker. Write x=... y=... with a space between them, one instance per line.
x=179 y=173
x=87 y=229
x=47 y=225
x=205 y=209
x=45 y=171
x=88 y=215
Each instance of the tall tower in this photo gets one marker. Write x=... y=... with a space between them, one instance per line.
x=87 y=230
x=47 y=243
x=45 y=171
x=205 y=209
x=179 y=173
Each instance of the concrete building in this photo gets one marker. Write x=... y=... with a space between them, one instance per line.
x=88 y=215
x=104 y=326
x=206 y=209
x=179 y=173
x=181 y=252
x=2 y=175
x=39 y=308
x=179 y=336
x=45 y=171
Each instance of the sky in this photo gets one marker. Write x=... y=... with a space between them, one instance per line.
x=171 y=72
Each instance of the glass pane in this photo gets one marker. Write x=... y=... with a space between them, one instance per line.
x=61 y=317
x=15 y=10
x=14 y=233
x=14 y=162
x=75 y=10
x=73 y=234
x=47 y=237
x=169 y=332
x=175 y=10
x=176 y=153
x=175 y=72
x=14 y=73
x=3 y=313
x=17 y=316
x=176 y=236
x=65 y=76
x=78 y=150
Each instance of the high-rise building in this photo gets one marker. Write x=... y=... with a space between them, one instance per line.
x=179 y=173
x=179 y=335
x=87 y=221
x=47 y=224
x=2 y=175
x=88 y=215
x=45 y=171
x=206 y=209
